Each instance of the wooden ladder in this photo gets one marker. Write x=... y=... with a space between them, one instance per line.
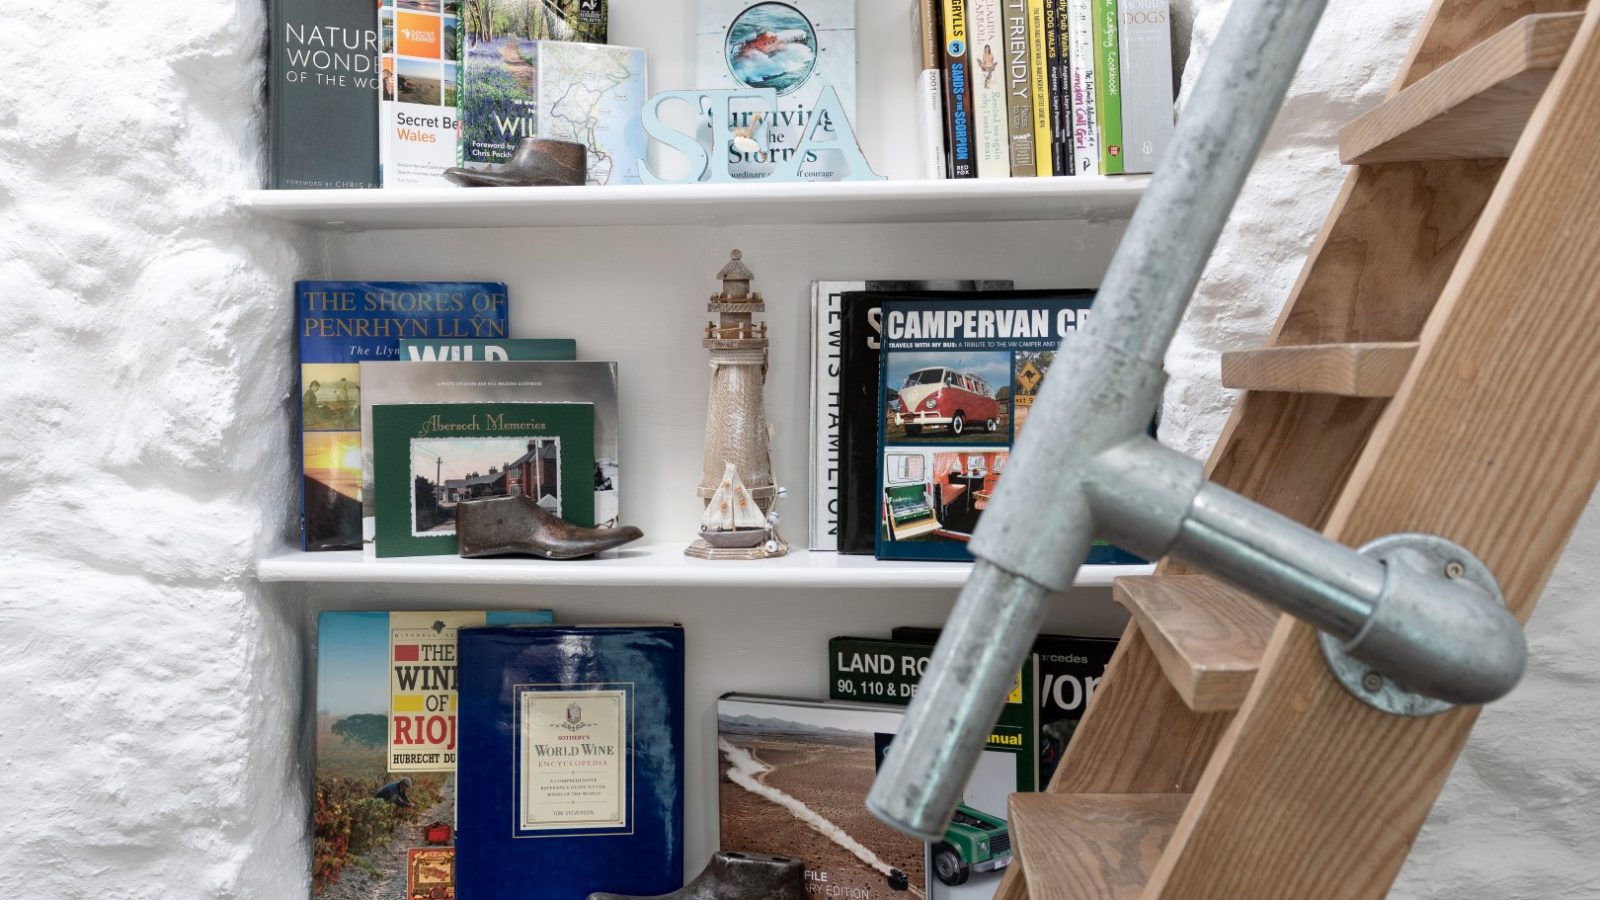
x=1437 y=369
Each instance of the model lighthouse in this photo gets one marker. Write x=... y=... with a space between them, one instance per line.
x=736 y=482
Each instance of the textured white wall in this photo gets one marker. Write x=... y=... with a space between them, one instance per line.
x=1520 y=817
x=148 y=687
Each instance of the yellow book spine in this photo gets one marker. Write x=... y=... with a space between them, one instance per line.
x=1040 y=75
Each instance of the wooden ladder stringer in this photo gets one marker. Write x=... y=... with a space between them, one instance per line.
x=1197 y=774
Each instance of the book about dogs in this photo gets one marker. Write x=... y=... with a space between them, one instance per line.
x=386 y=741
x=322 y=89
x=571 y=774
x=1147 y=118
x=428 y=458
x=339 y=324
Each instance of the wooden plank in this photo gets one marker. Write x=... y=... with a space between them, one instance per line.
x=1453 y=26
x=1345 y=370
x=1091 y=846
x=1490 y=442
x=1207 y=636
x=1473 y=107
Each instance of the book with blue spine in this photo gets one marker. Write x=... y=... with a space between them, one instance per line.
x=570 y=778
x=339 y=324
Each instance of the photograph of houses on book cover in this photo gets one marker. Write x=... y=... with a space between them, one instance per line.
x=957 y=381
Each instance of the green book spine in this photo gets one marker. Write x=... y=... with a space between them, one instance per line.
x=1108 y=85
x=535 y=349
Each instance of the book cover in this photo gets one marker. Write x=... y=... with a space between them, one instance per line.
x=794 y=47
x=339 y=324
x=876 y=670
x=1085 y=105
x=958 y=376
x=1019 y=89
x=1108 y=85
x=958 y=90
x=489 y=351
x=1146 y=83
x=926 y=29
x=844 y=383
x=571 y=775
x=322 y=87
x=991 y=134
x=429 y=457
x=1039 y=76
x=1068 y=668
x=385 y=736
x=420 y=93
x=794 y=781
x=512 y=381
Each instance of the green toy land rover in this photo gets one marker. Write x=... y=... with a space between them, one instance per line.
x=974 y=842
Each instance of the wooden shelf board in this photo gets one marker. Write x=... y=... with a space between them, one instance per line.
x=1092 y=846
x=656 y=565
x=1473 y=107
x=1344 y=370
x=1209 y=638
x=1092 y=198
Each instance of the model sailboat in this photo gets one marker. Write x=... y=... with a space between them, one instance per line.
x=732 y=518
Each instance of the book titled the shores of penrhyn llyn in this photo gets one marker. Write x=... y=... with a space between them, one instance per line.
x=340 y=324
x=322 y=94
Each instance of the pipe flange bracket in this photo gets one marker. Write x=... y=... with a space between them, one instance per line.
x=1373 y=687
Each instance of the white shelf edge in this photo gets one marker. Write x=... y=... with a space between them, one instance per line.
x=650 y=566
x=1091 y=198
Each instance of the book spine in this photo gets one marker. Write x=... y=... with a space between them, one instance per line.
x=1052 y=60
x=1019 y=89
x=958 y=90
x=1062 y=86
x=930 y=88
x=825 y=311
x=1039 y=78
x=1146 y=83
x=986 y=49
x=1085 y=108
x=1108 y=85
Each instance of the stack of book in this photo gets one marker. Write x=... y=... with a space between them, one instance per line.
x=1038 y=88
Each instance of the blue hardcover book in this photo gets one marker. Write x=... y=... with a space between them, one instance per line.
x=340 y=324
x=958 y=376
x=571 y=764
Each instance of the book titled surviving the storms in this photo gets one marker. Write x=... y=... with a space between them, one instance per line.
x=571 y=767
x=340 y=324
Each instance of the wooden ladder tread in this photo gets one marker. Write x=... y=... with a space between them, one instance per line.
x=1208 y=637
x=1092 y=846
x=1344 y=370
x=1473 y=107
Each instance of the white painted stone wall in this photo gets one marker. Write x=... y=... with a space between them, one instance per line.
x=150 y=688
x=1520 y=817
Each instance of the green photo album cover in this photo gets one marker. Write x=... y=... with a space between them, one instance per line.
x=430 y=457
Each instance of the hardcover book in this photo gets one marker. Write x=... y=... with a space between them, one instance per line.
x=875 y=670
x=571 y=775
x=927 y=29
x=420 y=92
x=1146 y=83
x=1108 y=84
x=514 y=381
x=383 y=810
x=340 y=324
x=1085 y=105
x=322 y=88
x=489 y=351
x=958 y=377
x=429 y=457
x=844 y=376
x=794 y=781
x=991 y=136
x=1019 y=89
x=793 y=47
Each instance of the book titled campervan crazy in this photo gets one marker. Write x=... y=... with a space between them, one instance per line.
x=958 y=377
x=339 y=325
x=571 y=767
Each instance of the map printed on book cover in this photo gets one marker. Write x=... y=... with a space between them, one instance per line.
x=793 y=47
x=322 y=89
x=844 y=388
x=957 y=379
x=417 y=108
x=794 y=781
x=512 y=381
x=428 y=458
x=571 y=775
x=340 y=324
x=383 y=810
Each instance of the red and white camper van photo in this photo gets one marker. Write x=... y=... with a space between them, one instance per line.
x=950 y=399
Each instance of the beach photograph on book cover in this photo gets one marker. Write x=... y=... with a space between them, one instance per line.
x=509 y=381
